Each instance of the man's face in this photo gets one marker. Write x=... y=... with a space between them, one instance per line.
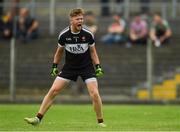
x=157 y=19
x=116 y=18
x=138 y=19
x=77 y=22
x=89 y=17
x=23 y=12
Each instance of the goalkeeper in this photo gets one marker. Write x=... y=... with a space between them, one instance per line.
x=80 y=56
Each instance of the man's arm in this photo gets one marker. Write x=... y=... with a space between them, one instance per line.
x=94 y=55
x=57 y=59
x=95 y=59
x=152 y=35
x=166 y=35
x=34 y=26
x=132 y=34
x=58 y=55
x=168 y=32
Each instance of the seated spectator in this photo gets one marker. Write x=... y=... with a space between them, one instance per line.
x=90 y=21
x=138 y=31
x=6 y=26
x=116 y=31
x=27 y=26
x=160 y=31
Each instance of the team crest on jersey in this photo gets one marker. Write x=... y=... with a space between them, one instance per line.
x=83 y=38
x=77 y=48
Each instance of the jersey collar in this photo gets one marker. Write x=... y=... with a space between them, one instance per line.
x=74 y=32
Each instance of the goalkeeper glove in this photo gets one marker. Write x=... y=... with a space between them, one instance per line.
x=99 y=71
x=54 y=70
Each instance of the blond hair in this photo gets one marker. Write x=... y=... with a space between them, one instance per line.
x=76 y=12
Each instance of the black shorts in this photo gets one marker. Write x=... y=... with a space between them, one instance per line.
x=73 y=74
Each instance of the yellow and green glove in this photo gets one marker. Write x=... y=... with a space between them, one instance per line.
x=54 y=70
x=99 y=71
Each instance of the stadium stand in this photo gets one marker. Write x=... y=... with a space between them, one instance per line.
x=124 y=67
x=167 y=90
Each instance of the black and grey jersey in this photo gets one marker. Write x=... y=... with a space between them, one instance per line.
x=77 y=53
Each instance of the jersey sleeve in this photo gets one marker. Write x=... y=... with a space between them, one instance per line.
x=61 y=41
x=91 y=40
x=166 y=24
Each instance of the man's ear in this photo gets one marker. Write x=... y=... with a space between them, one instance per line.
x=70 y=19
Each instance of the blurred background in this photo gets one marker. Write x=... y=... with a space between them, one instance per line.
x=137 y=42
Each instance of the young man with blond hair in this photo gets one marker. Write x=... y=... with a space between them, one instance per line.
x=80 y=59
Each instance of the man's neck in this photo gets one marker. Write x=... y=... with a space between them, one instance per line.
x=73 y=30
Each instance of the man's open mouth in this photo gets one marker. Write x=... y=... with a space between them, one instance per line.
x=79 y=25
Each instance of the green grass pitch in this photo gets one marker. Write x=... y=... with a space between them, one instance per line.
x=82 y=118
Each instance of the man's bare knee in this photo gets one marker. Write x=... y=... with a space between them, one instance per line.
x=54 y=91
x=95 y=96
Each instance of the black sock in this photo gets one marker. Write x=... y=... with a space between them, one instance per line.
x=100 y=121
x=40 y=116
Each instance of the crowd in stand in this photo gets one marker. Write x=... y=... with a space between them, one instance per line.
x=22 y=25
x=137 y=31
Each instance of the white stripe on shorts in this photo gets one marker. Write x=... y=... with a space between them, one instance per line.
x=67 y=80
x=90 y=80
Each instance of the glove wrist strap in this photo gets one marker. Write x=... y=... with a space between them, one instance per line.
x=54 y=65
x=98 y=66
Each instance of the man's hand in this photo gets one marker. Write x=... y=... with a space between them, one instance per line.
x=54 y=70
x=99 y=71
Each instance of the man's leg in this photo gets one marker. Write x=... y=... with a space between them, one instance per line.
x=92 y=86
x=57 y=86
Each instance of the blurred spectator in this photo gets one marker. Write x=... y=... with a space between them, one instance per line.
x=6 y=25
x=138 y=31
x=105 y=11
x=160 y=31
x=90 y=21
x=27 y=26
x=16 y=4
x=116 y=31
